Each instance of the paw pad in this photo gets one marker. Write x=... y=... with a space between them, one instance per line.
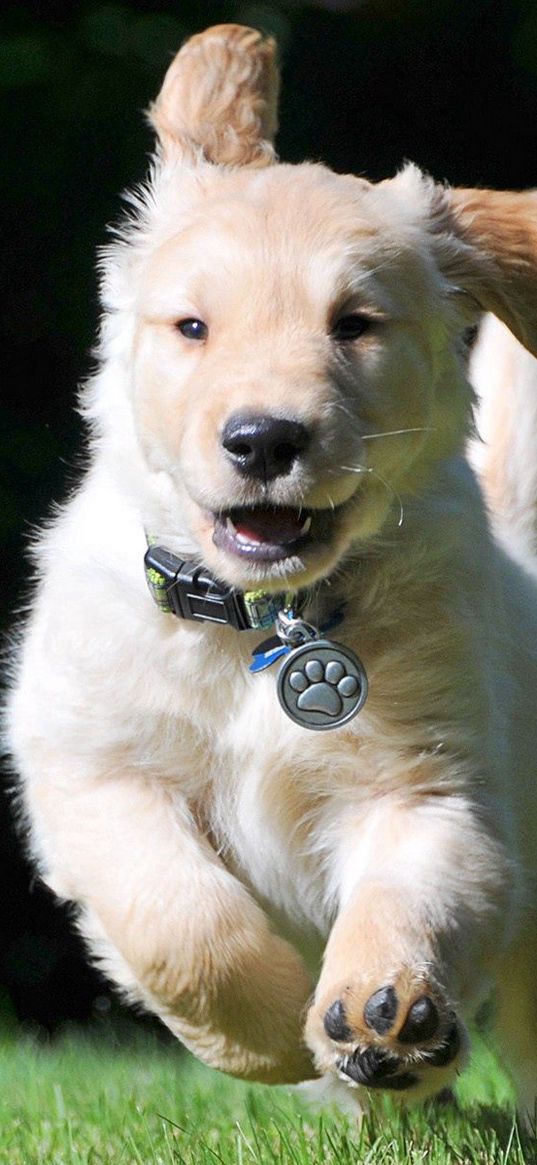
x=396 y=1038
x=335 y=1022
x=381 y=1009
x=421 y=1022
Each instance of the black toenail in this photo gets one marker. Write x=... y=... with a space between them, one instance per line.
x=381 y=1009
x=421 y=1022
x=376 y=1068
x=335 y=1022
x=447 y=1050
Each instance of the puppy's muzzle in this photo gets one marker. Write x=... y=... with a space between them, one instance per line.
x=263 y=447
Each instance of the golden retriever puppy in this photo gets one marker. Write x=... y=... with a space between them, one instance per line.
x=321 y=866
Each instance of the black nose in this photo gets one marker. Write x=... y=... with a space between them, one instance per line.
x=263 y=446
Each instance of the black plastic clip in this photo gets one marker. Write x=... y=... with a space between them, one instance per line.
x=189 y=591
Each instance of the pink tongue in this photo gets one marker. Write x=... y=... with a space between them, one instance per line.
x=274 y=526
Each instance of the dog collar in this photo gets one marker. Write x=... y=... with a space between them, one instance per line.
x=321 y=684
x=186 y=589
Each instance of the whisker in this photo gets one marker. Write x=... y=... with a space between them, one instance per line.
x=397 y=432
x=348 y=413
x=368 y=469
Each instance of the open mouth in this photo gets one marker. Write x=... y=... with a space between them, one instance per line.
x=270 y=533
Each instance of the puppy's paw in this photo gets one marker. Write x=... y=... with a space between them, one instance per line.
x=403 y=1036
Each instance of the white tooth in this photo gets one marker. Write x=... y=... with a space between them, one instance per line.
x=242 y=538
x=305 y=527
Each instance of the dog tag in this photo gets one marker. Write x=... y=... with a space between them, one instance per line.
x=322 y=684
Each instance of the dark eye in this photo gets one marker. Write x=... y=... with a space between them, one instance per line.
x=193 y=329
x=350 y=327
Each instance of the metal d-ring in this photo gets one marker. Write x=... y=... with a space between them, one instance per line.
x=294 y=631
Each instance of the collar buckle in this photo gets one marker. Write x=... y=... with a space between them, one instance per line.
x=184 y=588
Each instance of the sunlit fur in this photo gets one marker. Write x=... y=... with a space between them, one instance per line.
x=503 y=454
x=225 y=860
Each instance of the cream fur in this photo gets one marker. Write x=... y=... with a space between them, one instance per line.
x=225 y=860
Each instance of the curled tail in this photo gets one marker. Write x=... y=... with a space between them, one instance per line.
x=504 y=454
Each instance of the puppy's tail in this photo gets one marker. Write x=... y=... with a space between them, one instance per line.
x=504 y=455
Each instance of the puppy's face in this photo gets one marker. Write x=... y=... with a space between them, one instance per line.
x=297 y=364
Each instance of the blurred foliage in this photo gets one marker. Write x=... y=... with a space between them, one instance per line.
x=451 y=84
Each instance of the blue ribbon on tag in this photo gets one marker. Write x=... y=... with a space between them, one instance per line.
x=267 y=653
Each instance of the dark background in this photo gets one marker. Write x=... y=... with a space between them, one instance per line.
x=450 y=84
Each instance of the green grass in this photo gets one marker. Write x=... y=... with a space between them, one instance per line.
x=95 y=1099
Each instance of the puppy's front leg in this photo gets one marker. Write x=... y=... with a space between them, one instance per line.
x=420 y=928
x=192 y=943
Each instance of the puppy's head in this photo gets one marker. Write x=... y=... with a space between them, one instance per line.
x=297 y=337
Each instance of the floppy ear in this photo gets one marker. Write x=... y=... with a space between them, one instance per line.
x=220 y=98
x=497 y=263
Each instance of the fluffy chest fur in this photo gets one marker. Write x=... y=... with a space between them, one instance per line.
x=153 y=695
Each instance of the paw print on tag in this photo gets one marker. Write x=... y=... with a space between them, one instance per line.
x=322 y=688
x=322 y=685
